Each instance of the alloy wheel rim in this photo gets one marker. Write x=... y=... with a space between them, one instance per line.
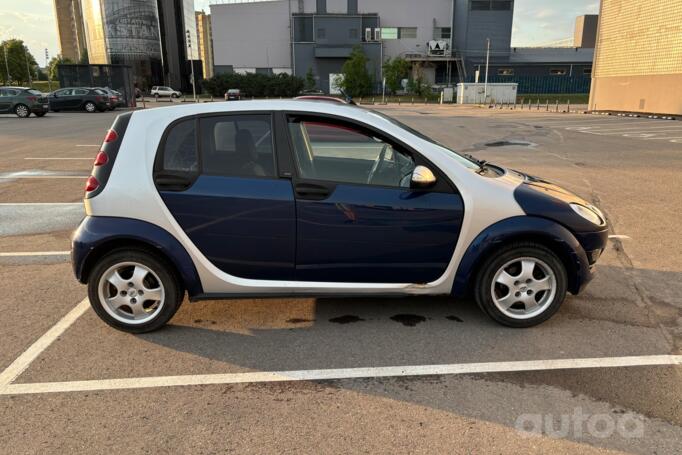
x=523 y=287
x=22 y=111
x=90 y=107
x=131 y=293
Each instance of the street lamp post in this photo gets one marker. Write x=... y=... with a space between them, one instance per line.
x=47 y=68
x=191 y=62
x=487 y=61
x=9 y=78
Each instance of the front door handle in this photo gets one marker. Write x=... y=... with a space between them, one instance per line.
x=312 y=191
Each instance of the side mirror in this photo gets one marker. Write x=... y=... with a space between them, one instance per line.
x=422 y=177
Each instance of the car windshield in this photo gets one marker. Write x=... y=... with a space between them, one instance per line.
x=100 y=92
x=34 y=92
x=466 y=161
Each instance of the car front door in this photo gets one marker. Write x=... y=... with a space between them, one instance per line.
x=358 y=218
x=227 y=194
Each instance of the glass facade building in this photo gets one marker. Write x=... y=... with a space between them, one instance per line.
x=125 y=32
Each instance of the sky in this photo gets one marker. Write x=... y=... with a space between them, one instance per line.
x=536 y=22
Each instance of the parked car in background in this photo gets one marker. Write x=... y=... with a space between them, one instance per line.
x=22 y=102
x=161 y=90
x=78 y=99
x=295 y=198
x=116 y=98
x=233 y=94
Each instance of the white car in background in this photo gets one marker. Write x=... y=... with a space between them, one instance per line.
x=161 y=90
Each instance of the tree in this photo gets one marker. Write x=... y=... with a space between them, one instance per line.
x=310 y=79
x=356 y=80
x=52 y=66
x=84 y=60
x=395 y=70
x=416 y=84
x=19 y=62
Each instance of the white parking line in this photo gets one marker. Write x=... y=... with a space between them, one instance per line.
x=29 y=355
x=341 y=373
x=19 y=204
x=17 y=177
x=21 y=254
x=60 y=158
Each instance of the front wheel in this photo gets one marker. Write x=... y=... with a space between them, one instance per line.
x=134 y=291
x=522 y=286
x=22 y=111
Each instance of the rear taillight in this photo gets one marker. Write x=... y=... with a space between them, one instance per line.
x=91 y=184
x=98 y=98
x=32 y=99
x=111 y=136
x=101 y=159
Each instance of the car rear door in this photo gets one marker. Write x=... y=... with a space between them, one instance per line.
x=358 y=219
x=5 y=100
x=76 y=100
x=218 y=176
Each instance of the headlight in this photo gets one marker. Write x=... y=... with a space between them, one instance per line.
x=591 y=214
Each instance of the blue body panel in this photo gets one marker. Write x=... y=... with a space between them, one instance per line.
x=245 y=226
x=95 y=232
x=505 y=231
x=374 y=234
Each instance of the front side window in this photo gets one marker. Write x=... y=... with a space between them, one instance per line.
x=180 y=148
x=237 y=145
x=337 y=152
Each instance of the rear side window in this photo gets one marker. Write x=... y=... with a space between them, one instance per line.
x=237 y=145
x=180 y=148
x=80 y=91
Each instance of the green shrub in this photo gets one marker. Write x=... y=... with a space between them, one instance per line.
x=255 y=85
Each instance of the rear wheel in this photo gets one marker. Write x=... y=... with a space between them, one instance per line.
x=90 y=107
x=22 y=111
x=174 y=95
x=522 y=286
x=134 y=291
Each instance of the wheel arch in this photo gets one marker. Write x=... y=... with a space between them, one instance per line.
x=98 y=236
x=538 y=230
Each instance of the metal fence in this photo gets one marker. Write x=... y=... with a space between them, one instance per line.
x=544 y=84
x=116 y=77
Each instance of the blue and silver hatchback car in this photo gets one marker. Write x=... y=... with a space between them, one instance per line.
x=303 y=198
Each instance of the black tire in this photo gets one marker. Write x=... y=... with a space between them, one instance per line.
x=40 y=114
x=173 y=291
x=483 y=291
x=174 y=95
x=90 y=107
x=22 y=111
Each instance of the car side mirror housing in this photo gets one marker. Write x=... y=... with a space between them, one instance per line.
x=422 y=177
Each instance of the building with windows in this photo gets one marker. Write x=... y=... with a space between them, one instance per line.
x=70 y=29
x=150 y=36
x=638 y=59
x=446 y=41
x=205 y=42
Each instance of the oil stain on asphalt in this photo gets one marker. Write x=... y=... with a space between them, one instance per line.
x=346 y=319
x=409 y=320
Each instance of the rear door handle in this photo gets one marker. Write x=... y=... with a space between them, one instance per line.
x=173 y=182
x=312 y=191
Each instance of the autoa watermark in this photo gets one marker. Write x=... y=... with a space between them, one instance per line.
x=577 y=424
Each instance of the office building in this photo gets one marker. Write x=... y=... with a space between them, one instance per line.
x=638 y=59
x=70 y=29
x=205 y=42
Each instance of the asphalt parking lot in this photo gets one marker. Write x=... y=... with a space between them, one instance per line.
x=418 y=375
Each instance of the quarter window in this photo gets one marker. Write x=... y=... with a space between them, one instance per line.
x=237 y=145
x=341 y=153
x=180 y=148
